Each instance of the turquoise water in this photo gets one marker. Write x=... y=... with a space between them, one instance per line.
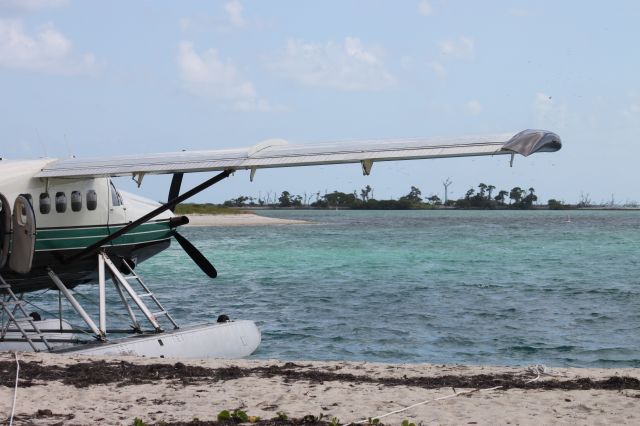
x=476 y=287
x=480 y=287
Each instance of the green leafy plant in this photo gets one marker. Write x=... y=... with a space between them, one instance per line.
x=407 y=423
x=372 y=421
x=310 y=418
x=237 y=415
x=334 y=422
x=281 y=415
x=138 y=422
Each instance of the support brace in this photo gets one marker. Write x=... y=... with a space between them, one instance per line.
x=137 y=178
x=79 y=309
x=134 y=296
x=366 y=167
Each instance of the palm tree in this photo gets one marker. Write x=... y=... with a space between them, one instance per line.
x=364 y=193
x=469 y=193
x=414 y=195
x=516 y=194
x=490 y=189
x=483 y=188
x=500 y=197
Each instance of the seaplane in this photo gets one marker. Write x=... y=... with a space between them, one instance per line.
x=64 y=224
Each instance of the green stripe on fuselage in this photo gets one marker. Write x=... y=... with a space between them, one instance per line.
x=73 y=238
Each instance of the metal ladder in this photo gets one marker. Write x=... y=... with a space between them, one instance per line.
x=9 y=300
x=146 y=293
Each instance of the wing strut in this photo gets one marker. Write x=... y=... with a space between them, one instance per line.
x=172 y=203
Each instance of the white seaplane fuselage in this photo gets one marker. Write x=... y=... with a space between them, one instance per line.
x=72 y=214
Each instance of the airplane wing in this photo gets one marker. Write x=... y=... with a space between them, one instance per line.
x=278 y=153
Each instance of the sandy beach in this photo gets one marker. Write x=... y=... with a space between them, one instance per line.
x=55 y=389
x=244 y=219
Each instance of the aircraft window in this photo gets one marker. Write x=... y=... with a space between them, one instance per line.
x=92 y=199
x=24 y=208
x=76 y=201
x=115 y=196
x=61 y=202
x=45 y=203
x=22 y=217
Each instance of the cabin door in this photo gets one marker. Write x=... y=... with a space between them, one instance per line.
x=5 y=230
x=23 y=238
x=117 y=210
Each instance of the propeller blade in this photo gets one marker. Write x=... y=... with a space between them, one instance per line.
x=174 y=189
x=196 y=256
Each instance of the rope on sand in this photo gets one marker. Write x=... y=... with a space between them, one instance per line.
x=453 y=395
x=539 y=370
x=15 y=390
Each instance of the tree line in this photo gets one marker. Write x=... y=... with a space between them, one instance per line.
x=484 y=197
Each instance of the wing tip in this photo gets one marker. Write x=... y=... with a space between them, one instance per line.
x=531 y=141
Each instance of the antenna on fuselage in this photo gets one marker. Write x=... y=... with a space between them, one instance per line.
x=66 y=142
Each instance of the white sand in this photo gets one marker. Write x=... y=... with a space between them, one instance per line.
x=244 y=219
x=171 y=401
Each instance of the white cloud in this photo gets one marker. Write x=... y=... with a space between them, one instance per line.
x=438 y=68
x=232 y=19
x=346 y=66
x=234 y=13
x=633 y=110
x=473 y=107
x=462 y=47
x=47 y=51
x=208 y=76
x=424 y=8
x=31 y=5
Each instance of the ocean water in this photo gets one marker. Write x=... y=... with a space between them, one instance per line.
x=476 y=287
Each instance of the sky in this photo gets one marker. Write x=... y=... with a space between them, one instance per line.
x=95 y=78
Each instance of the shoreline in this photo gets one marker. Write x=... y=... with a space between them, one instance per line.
x=239 y=219
x=116 y=390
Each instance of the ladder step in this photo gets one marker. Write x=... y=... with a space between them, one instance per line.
x=131 y=277
x=24 y=324
x=157 y=314
x=145 y=295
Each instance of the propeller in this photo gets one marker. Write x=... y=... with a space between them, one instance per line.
x=174 y=199
x=192 y=251
x=174 y=189
x=196 y=255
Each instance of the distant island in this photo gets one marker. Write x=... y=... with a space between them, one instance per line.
x=485 y=197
